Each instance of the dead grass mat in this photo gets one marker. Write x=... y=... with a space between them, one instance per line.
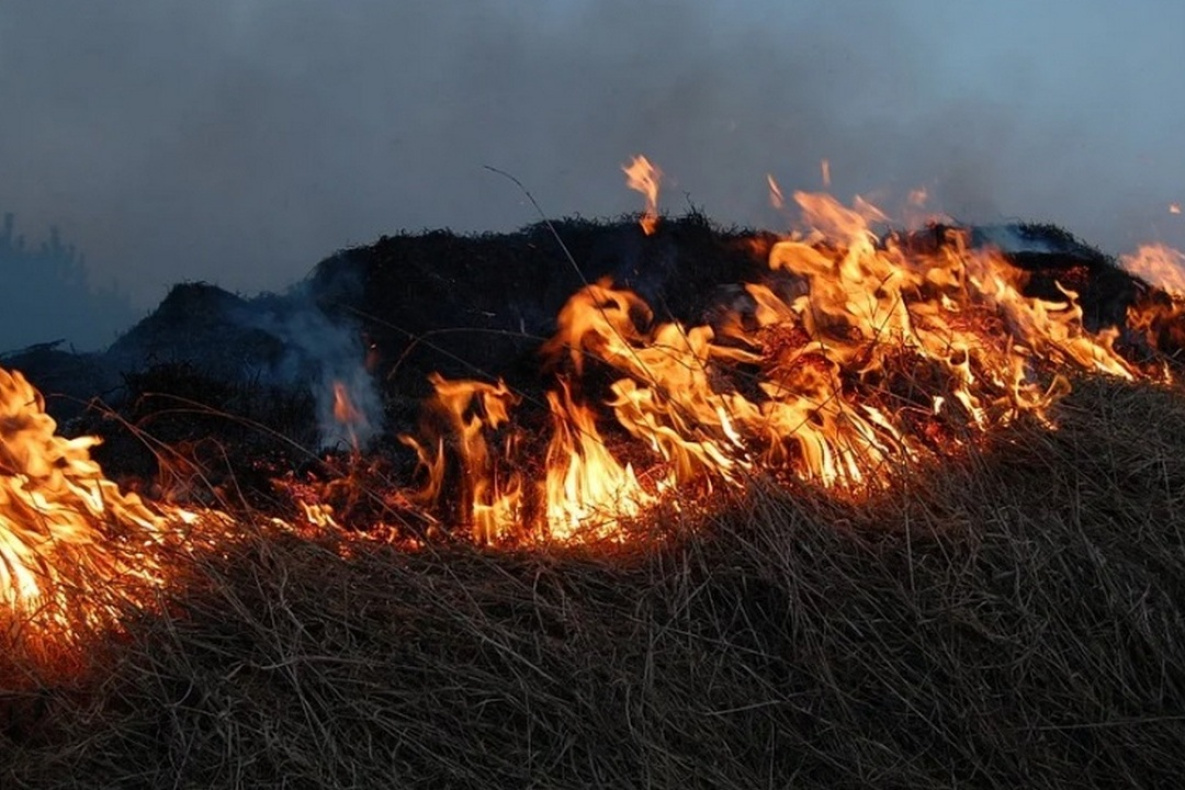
x=1013 y=619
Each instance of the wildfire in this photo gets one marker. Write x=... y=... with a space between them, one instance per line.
x=645 y=178
x=857 y=352
x=1158 y=265
x=63 y=525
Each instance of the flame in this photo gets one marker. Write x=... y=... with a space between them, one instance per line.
x=65 y=529
x=645 y=178
x=461 y=415
x=348 y=415
x=1159 y=265
x=1174 y=208
x=586 y=490
x=825 y=166
x=860 y=353
x=343 y=408
x=776 y=199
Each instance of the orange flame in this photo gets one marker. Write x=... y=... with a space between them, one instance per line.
x=856 y=353
x=73 y=548
x=490 y=495
x=1159 y=265
x=587 y=491
x=807 y=379
x=347 y=414
x=1174 y=208
x=343 y=408
x=645 y=178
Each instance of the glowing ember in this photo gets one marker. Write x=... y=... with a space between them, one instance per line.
x=1174 y=208
x=645 y=178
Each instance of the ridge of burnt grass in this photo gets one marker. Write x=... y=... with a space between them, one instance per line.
x=1015 y=618
x=483 y=303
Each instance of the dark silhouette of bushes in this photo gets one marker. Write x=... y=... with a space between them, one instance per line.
x=48 y=295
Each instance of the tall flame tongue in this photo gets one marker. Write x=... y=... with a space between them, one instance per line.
x=644 y=177
x=63 y=526
x=460 y=417
x=858 y=353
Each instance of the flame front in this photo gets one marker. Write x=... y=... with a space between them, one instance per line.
x=857 y=354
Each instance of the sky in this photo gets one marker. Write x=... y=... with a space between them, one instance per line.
x=241 y=141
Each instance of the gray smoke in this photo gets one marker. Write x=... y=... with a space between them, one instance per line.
x=323 y=355
x=239 y=141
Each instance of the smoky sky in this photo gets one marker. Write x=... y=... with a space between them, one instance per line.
x=241 y=141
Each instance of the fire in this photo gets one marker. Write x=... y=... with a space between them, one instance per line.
x=1159 y=265
x=463 y=414
x=825 y=167
x=776 y=199
x=1174 y=208
x=587 y=490
x=62 y=524
x=347 y=414
x=859 y=353
x=75 y=550
x=645 y=178
x=343 y=408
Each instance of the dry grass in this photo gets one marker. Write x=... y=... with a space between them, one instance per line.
x=1016 y=619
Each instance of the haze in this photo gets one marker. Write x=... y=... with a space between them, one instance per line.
x=241 y=141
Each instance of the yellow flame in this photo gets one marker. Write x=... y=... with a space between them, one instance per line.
x=645 y=178
x=1159 y=265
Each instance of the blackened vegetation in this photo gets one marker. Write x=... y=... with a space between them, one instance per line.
x=1056 y=261
x=480 y=306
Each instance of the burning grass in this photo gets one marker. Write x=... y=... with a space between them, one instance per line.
x=901 y=511
x=1014 y=618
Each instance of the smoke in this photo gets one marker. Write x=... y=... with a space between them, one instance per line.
x=328 y=357
x=239 y=141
